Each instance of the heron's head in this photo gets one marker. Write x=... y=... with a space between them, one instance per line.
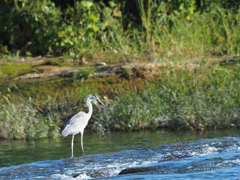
x=96 y=101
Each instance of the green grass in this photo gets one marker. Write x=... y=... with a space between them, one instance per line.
x=205 y=98
x=21 y=119
x=10 y=69
x=169 y=37
x=155 y=31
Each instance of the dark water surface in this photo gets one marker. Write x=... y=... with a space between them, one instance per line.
x=107 y=156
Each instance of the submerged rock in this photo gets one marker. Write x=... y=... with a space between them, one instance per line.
x=124 y=171
x=140 y=169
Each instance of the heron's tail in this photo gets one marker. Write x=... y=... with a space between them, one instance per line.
x=64 y=132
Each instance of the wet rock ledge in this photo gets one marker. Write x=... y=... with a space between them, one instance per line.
x=126 y=171
x=139 y=169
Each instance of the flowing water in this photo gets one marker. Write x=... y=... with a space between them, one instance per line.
x=212 y=154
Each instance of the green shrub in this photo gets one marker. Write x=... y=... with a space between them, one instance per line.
x=151 y=30
x=193 y=98
x=83 y=73
x=21 y=119
x=181 y=99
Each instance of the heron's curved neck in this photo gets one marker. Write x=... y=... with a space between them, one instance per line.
x=90 y=108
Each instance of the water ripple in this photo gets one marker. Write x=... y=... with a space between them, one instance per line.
x=219 y=158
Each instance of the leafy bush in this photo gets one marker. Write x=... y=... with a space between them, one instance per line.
x=21 y=120
x=151 y=29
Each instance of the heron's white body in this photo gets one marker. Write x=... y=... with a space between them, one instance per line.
x=79 y=121
x=76 y=124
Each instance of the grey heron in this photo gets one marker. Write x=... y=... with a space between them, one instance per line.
x=79 y=121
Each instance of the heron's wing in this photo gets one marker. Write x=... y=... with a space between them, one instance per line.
x=75 y=124
x=73 y=119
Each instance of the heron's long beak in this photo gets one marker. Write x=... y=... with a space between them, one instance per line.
x=100 y=105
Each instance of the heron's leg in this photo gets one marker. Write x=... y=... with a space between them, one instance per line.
x=82 y=142
x=72 y=144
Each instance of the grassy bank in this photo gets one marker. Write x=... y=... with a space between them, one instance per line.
x=205 y=98
x=199 y=98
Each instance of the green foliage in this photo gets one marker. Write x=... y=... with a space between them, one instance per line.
x=21 y=120
x=35 y=118
x=196 y=98
x=181 y=99
x=152 y=29
x=11 y=69
x=83 y=73
x=200 y=100
x=28 y=25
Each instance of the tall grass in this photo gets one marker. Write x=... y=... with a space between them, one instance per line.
x=93 y=31
x=202 y=34
x=198 y=98
x=206 y=97
x=177 y=37
x=165 y=36
x=22 y=118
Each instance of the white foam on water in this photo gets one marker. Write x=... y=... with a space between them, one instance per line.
x=213 y=155
x=229 y=163
x=83 y=176
x=64 y=176
x=209 y=150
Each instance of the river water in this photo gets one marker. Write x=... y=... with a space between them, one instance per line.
x=207 y=155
